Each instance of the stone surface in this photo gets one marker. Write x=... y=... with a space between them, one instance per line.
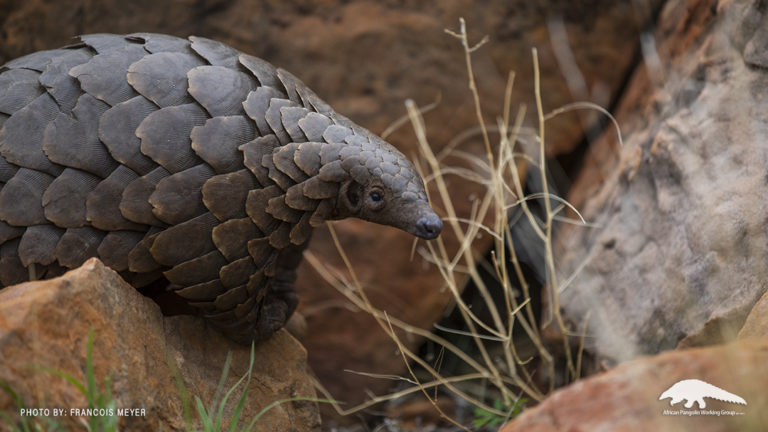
x=365 y=58
x=678 y=256
x=627 y=398
x=756 y=324
x=47 y=323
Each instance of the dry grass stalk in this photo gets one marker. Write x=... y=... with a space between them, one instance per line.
x=500 y=173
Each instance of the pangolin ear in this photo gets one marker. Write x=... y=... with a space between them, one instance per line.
x=351 y=196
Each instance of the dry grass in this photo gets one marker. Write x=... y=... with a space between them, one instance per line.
x=499 y=172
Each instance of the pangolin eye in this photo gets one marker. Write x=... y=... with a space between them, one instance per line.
x=376 y=196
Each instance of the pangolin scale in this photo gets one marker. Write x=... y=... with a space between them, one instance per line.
x=188 y=160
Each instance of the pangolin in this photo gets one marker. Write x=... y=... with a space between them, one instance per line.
x=187 y=160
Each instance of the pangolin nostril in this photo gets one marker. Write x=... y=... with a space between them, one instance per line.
x=430 y=226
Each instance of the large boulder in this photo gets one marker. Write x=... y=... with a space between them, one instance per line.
x=756 y=324
x=46 y=325
x=678 y=252
x=627 y=398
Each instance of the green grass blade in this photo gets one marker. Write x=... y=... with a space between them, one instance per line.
x=222 y=379
x=232 y=389
x=90 y=390
x=241 y=404
x=90 y=376
x=7 y=387
x=233 y=422
x=72 y=380
x=204 y=418
x=24 y=424
x=186 y=400
x=10 y=422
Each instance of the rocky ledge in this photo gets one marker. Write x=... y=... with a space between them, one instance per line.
x=44 y=326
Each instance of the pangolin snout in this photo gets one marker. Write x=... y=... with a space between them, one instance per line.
x=429 y=227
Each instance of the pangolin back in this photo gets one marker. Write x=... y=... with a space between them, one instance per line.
x=183 y=159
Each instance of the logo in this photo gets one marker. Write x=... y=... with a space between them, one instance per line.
x=694 y=391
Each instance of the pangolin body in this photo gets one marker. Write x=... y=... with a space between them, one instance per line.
x=185 y=160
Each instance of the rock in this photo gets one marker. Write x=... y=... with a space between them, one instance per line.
x=47 y=323
x=626 y=398
x=365 y=58
x=678 y=258
x=756 y=324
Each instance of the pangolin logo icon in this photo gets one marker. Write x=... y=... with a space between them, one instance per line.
x=693 y=390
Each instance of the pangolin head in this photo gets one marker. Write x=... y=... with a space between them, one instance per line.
x=382 y=186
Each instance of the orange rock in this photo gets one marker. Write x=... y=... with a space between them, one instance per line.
x=47 y=324
x=627 y=398
x=756 y=324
